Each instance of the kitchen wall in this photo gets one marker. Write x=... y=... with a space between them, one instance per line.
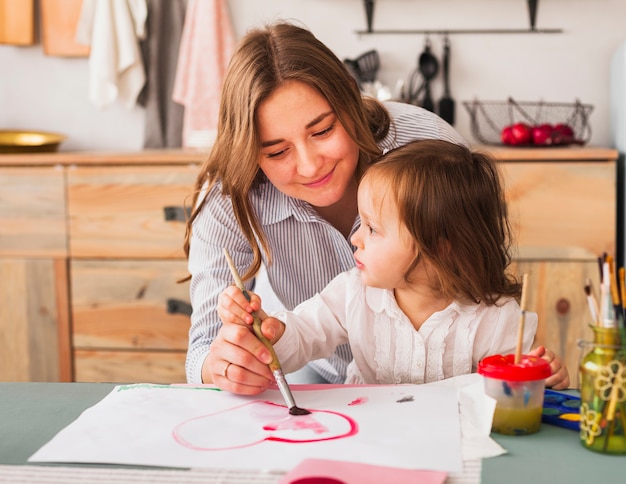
x=50 y=93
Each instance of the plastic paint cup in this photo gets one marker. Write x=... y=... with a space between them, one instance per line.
x=518 y=390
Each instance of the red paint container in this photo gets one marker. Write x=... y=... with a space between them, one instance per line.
x=518 y=390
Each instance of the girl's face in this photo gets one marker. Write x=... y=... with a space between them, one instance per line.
x=305 y=151
x=385 y=247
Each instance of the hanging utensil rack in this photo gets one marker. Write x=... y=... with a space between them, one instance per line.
x=532 y=14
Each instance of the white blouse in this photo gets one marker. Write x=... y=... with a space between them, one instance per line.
x=386 y=348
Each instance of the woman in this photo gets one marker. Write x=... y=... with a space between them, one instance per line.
x=279 y=187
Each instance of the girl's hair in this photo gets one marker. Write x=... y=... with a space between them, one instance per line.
x=452 y=202
x=264 y=60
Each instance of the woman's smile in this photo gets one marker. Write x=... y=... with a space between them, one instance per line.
x=320 y=181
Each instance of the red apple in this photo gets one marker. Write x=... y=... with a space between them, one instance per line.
x=516 y=134
x=507 y=135
x=563 y=134
x=542 y=134
x=522 y=133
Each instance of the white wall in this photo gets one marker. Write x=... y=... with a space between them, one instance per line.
x=49 y=93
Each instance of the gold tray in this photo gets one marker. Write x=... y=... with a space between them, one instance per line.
x=13 y=141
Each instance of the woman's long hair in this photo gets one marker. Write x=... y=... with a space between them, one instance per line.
x=264 y=60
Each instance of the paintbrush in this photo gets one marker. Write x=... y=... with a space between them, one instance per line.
x=607 y=316
x=522 y=318
x=593 y=303
x=274 y=365
x=622 y=292
x=615 y=295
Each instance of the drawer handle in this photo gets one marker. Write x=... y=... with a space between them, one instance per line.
x=176 y=214
x=176 y=306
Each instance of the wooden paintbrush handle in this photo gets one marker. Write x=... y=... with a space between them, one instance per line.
x=256 y=326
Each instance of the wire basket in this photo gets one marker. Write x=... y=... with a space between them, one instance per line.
x=489 y=118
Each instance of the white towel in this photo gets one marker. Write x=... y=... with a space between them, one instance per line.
x=113 y=28
x=206 y=46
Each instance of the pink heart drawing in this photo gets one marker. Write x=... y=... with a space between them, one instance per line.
x=259 y=421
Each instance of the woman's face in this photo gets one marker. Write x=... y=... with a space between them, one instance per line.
x=385 y=248
x=305 y=151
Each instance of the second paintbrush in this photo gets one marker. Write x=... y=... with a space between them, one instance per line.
x=274 y=365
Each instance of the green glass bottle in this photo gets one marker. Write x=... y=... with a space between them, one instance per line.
x=603 y=393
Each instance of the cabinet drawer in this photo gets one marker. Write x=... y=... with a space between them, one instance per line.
x=124 y=304
x=32 y=212
x=561 y=210
x=119 y=212
x=130 y=366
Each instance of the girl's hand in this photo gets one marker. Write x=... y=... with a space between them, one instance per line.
x=559 y=380
x=234 y=308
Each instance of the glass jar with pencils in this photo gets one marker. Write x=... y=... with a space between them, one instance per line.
x=603 y=392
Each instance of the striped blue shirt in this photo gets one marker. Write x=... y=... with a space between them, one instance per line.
x=307 y=252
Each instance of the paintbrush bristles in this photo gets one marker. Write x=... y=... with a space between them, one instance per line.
x=607 y=308
x=520 y=329
x=612 y=312
x=593 y=303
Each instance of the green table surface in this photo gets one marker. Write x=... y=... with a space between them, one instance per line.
x=32 y=413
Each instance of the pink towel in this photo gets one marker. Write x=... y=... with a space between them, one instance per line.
x=206 y=46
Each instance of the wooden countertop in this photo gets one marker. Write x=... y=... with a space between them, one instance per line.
x=187 y=156
x=568 y=153
x=165 y=157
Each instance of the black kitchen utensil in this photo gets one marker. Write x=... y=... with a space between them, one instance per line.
x=446 y=103
x=532 y=12
x=365 y=67
x=429 y=67
x=369 y=13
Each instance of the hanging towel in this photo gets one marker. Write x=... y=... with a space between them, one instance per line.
x=113 y=29
x=163 y=116
x=206 y=46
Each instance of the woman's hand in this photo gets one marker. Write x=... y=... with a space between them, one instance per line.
x=559 y=380
x=237 y=360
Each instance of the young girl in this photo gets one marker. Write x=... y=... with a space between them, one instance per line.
x=429 y=296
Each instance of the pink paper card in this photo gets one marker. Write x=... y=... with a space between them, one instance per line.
x=323 y=471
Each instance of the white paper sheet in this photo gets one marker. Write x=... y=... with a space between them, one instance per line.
x=406 y=426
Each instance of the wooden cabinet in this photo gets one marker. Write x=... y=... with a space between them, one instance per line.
x=91 y=252
x=34 y=309
x=562 y=206
x=90 y=259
